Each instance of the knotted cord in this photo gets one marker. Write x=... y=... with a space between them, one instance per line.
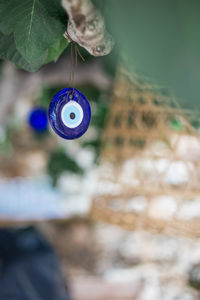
x=74 y=53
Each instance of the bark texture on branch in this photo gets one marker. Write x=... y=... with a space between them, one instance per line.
x=87 y=28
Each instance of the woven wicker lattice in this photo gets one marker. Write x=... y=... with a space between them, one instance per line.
x=150 y=162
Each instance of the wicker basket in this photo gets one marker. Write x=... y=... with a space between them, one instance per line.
x=150 y=162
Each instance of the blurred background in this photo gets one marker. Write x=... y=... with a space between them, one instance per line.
x=116 y=213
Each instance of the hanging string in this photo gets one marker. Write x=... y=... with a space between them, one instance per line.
x=74 y=53
x=78 y=52
x=72 y=66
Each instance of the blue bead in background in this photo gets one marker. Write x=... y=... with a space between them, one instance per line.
x=69 y=113
x=38 y=119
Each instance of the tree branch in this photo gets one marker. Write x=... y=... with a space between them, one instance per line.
x=87 y=28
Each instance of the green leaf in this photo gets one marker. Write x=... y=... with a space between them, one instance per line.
x=55 y=10
x=9 y=15
x=9 y=52
x=37 y=25
x=36 y=31
x=56 y=50
x=60 y=162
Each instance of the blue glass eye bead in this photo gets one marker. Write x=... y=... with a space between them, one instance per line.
x=69 y=113
x=38 y=119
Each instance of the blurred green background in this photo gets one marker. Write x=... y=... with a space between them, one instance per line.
x=160 y=39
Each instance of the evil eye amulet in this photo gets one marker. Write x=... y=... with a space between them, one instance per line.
x=69 y=113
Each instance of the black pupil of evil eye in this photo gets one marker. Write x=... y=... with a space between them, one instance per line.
x=72 y=115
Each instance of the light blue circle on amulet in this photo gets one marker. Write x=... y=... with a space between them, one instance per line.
x=72 y=114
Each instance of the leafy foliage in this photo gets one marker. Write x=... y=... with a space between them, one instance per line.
x=59 y=162
x=8 y=51
x=56 y=50
x=194 y=277
x=31 y=32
